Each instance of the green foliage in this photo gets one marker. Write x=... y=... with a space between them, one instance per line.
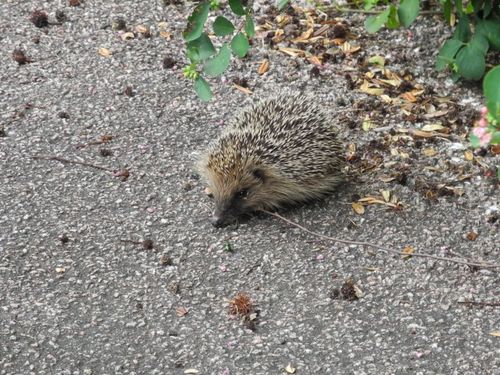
x=282 y=4
x=237 y=7
x=408 y=11
x=477 y=31
x=240 y=45
x=216 y=65
x=392 y=17
x=249 y=26
x=491 y=89
x=204 y=57
x=196 y=21
x=222 y=26
x=200 y=49
x=202 y=88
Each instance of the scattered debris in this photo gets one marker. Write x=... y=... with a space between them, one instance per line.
x=64 y=238
x=39 y=18
x=471 y=236
x=168 y=62
x=19 y=56
x=165 y=260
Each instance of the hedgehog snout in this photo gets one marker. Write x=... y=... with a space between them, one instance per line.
x=221 y=219
x=217 y=221
x=226 y=212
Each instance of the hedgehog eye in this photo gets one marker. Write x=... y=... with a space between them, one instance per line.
x=242 y=193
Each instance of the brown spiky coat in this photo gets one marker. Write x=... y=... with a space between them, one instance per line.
x=280 y=151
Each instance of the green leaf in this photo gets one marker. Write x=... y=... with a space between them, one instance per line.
x=237 y=7
x=377 y=60
x=471 y=62
x=469 y=9
x=488 y=7
x=249 y=26
x=222 y=26
x=447 y=11
x=491 y=90
x=369 y=4
x=462 y=32
x=218 y=64
x=459 y=7
x=200 y=49
x=393 y=20
x=491 y=30
x=447 y=53
x=474 y=141
x=375 y=23
x=203 y=90
x=240 y=45
x=408 y=10
x=196 y=21
x=480 y=42
x=495 y=139
x=282 y=4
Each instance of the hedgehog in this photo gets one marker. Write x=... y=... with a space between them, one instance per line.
x=280 y=152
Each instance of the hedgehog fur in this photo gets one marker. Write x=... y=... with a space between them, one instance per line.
x=279 y=152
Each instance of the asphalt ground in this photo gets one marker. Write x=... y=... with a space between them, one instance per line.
x=80 y=292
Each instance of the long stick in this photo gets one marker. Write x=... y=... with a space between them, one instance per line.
x=362 y=243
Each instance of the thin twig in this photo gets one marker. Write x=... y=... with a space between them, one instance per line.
x=63 y=160
x=351 y=10
x=362 y=243
x=479 y=303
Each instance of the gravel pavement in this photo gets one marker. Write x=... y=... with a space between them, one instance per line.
x=80 y=293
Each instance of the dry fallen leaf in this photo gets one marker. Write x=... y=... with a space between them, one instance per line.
x=348 y=48
x=435 y=114
x=408 y=251
x=469 y=155
x=429 y=151
x=294 y=52
x=432 y=127
x=409 y=97
x=105 y=138
x=166 y=34
x=495 y=333
x=315 y=60
x=181 y=311
x=358 y=208
x=142 y=29
x=60 y=269
x=386 y=194
x=191 y=371
x=242 y=89
x=422 y=134
x=471 y=236
x=264 y=67
x=387 y=178
x=365 y=87
x=105 y=52
x=127 y=36
x=289 y=369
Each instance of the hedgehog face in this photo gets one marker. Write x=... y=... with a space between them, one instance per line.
x=235 y=196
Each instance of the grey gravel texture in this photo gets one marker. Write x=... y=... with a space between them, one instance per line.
x=100 y=303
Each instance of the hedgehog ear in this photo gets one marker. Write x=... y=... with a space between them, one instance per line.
x=259 y=174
